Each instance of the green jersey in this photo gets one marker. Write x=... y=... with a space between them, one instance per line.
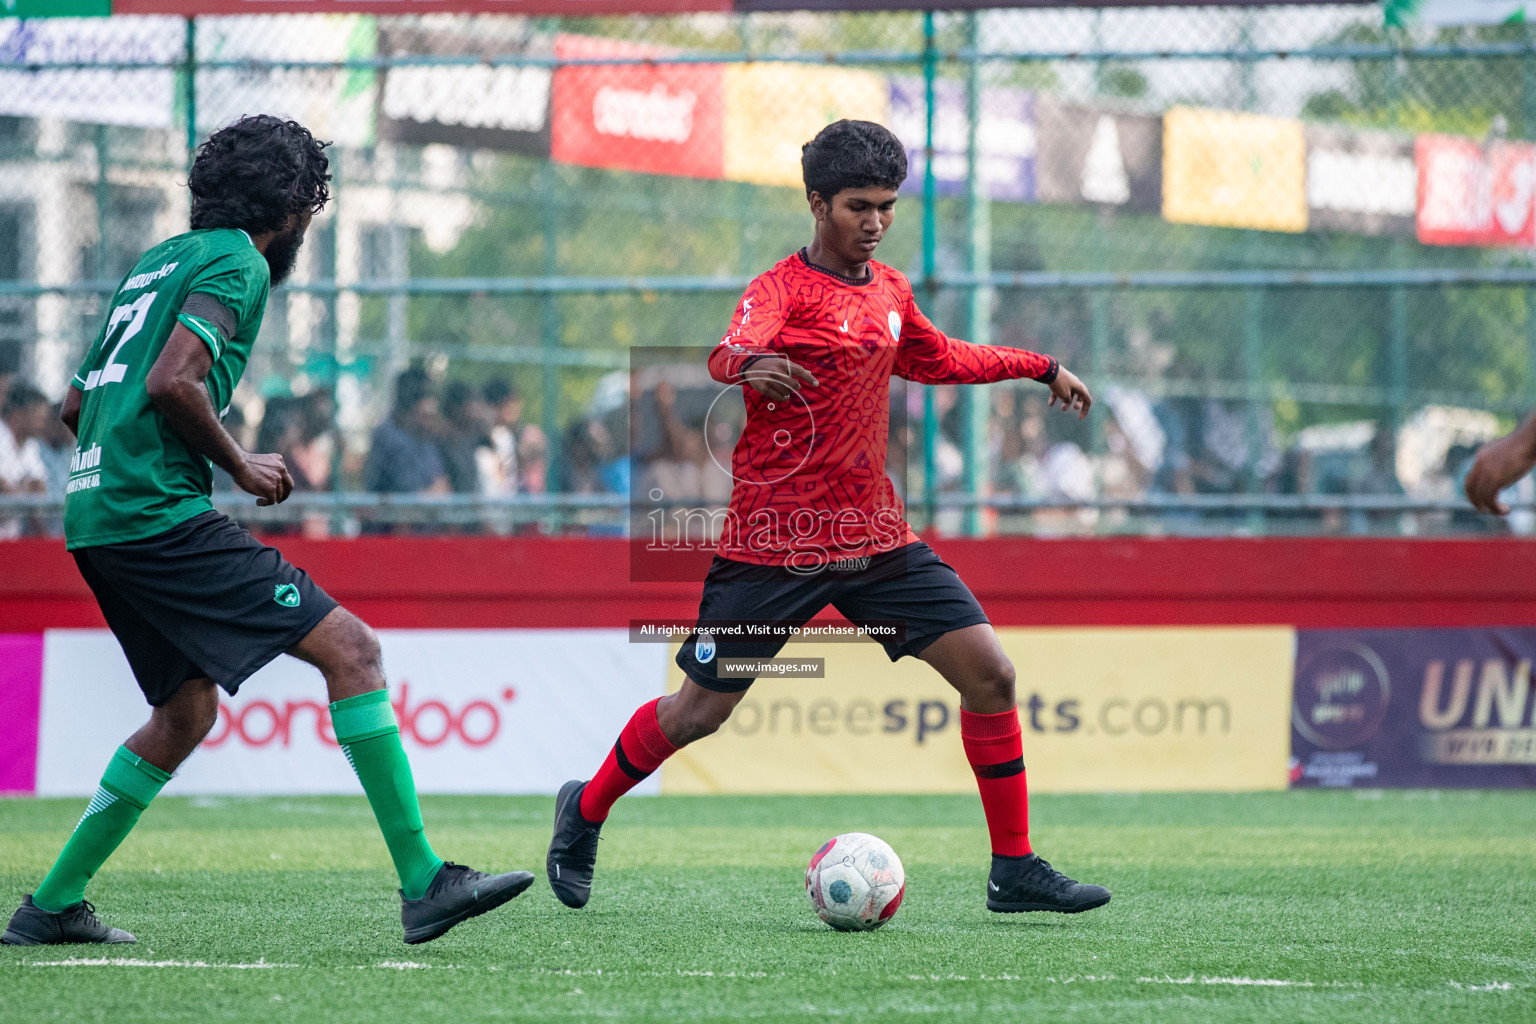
x=132 y=476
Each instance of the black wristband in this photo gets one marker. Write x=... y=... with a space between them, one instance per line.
x=742 y=371
x=1049 y=376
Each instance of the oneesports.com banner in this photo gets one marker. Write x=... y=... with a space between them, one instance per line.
x=521 y=711
x=1102 y=709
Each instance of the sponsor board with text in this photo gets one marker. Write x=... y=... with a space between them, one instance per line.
x=1414 y=707
x=657 y=119
x=480 y=711
x=1470 y=194
x=1359 y=181
x=1101 y=709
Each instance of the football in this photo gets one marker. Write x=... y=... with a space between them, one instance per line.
x=855 y=882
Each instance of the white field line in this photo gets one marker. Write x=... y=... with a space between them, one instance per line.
x=410 y=965
x=1261 y=982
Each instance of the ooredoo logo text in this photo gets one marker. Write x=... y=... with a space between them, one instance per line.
x=428 y=723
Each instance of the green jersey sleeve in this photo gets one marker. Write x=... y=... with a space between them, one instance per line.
x=237 y=286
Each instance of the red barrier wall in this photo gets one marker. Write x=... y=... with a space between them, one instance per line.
x=487 y=583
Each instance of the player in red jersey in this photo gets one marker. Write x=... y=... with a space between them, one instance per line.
x=815 y=521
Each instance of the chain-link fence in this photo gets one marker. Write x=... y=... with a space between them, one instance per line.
x=1287 y=247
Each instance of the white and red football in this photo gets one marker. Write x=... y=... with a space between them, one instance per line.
x=855 y=882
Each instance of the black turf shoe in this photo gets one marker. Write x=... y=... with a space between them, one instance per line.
x=1018 y=884
x=573 y=850
x=31 y=925
x=457 y=893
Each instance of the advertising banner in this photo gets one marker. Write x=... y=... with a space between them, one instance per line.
x=477 y=106
x=21 y=675
x=1361 y=182
x=135 y=99
x=1475 y=195
x=1088 y=155
x=663 y=119
x=1134 y=709
x=1234 y=170
x=480 y=711
x=337 y=107
x=771 y=110
x=1006 y=138
x=1414 y=707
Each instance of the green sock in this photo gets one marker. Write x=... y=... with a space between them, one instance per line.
x=128 y=786
x=369 y=736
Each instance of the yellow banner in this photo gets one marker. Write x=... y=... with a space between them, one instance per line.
x=771 y=110
x=1124 y=709
x=1234 y=170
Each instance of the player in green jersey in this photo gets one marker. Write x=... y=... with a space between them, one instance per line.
x=195 y=601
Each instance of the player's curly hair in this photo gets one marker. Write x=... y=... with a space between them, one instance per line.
x=254 y=173
x=852 y=154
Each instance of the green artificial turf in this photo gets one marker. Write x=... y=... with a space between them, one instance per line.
x=1307 y=906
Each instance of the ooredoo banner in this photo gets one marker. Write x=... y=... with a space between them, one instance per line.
x=1414 y=707
x=657 y=119
x=1102 y=709
x=480 y=711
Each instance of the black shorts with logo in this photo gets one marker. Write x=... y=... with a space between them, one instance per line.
x=202 y=600
x=910 y=586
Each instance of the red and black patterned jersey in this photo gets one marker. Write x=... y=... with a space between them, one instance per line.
x=810 y=484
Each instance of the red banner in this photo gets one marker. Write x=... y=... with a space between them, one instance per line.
x=666 y=119
x=1475 y=195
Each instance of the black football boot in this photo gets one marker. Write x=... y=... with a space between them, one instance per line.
x=1017 y=884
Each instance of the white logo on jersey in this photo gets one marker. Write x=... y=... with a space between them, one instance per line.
x=140 y=280
x=895 y=321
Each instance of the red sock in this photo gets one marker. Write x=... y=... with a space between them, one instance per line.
x=640 y=749
x=994 y=745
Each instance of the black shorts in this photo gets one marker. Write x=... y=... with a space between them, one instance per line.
x=202 y=600
x=910 y=586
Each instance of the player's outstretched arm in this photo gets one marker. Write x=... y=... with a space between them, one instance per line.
x=175 y=386
x=1071 y=392
x=1499 y=464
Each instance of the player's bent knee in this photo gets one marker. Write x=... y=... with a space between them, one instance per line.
x=362 y=647
x=997 y=683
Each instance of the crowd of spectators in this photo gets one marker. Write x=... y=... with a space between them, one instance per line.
x=469 y=438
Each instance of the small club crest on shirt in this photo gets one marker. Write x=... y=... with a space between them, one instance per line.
x=286 y=594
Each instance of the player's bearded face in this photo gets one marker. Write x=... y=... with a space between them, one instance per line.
x=283 y=251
